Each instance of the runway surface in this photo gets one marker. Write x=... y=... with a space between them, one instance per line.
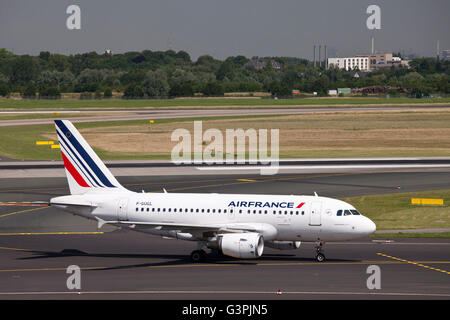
x=38 y=243
x=166 y=113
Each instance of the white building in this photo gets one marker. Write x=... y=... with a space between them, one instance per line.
x=362 y=63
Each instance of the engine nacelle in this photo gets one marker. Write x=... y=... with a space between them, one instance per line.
x=283 y=245
x=242 y=245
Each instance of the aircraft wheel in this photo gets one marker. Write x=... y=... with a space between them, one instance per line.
x=320 y=257
x=198 y=256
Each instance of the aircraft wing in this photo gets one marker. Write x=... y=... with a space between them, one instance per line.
x=219 y=228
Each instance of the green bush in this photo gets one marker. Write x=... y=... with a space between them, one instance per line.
x=4 y=90
x=49 y=93
x=213 y=89
x=107 y=94
x=86 y=96
x=30 y=92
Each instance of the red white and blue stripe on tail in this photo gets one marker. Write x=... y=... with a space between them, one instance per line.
x=84 y=168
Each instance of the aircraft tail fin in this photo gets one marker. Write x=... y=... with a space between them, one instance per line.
x=84 y=169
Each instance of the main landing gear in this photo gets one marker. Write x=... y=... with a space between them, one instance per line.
x=198 y=256
x=318 y=245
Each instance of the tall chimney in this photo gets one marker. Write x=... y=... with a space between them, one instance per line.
x=314 y=63
x=320 y=61
x=326 y=60
x=437 y=50
x=373 y=45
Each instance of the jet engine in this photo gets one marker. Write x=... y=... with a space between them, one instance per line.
x=283 y=245
x=242 y=245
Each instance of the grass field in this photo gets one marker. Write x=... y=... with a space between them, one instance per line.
x=210 y=102
x=343 y=134
x=395 y=211
x=40 y=116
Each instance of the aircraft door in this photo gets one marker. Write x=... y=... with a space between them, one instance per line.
x=122 y=210
x=315 y=214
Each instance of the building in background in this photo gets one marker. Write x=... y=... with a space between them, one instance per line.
x=352 y=63
x=378 y=60
x=445 y=54
x=368 y=62
x=259 y=64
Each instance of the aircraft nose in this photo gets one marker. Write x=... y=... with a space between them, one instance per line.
x=370 y=226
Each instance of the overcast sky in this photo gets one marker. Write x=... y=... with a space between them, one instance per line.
x=224 y=28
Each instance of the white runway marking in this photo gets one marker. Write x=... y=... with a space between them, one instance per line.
x=194 y=292
x=374 y=166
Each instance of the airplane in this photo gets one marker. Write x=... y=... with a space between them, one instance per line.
x=234 y=225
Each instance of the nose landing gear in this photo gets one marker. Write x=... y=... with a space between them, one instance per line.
x=318 y=245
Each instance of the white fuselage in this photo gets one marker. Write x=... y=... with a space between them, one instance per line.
x=276 y=217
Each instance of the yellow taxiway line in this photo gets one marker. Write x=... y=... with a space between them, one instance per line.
x=28 y=210
x=416 y=263
x=50 y=233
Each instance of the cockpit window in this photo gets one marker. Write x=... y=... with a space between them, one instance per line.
x=347 y=213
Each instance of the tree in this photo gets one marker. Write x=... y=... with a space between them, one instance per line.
x=49 y=93
x=184 y=89
x=213 y=89
x=58 y=62
x=321 y=85
x=30 y=91
x=44 y=55
x=183 y=55
x=23 y=70
x=63 y=80
x=279 y=89
x=155 y=84
x=108 y=93
x=4 y=89
x=133 y=92
x=226 y=70
x=5 y=54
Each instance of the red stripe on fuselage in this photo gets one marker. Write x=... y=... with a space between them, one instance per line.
x=300 y=205
x=73 y=172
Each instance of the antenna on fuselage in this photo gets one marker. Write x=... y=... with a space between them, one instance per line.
x=315 y=193
x=164 y=190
